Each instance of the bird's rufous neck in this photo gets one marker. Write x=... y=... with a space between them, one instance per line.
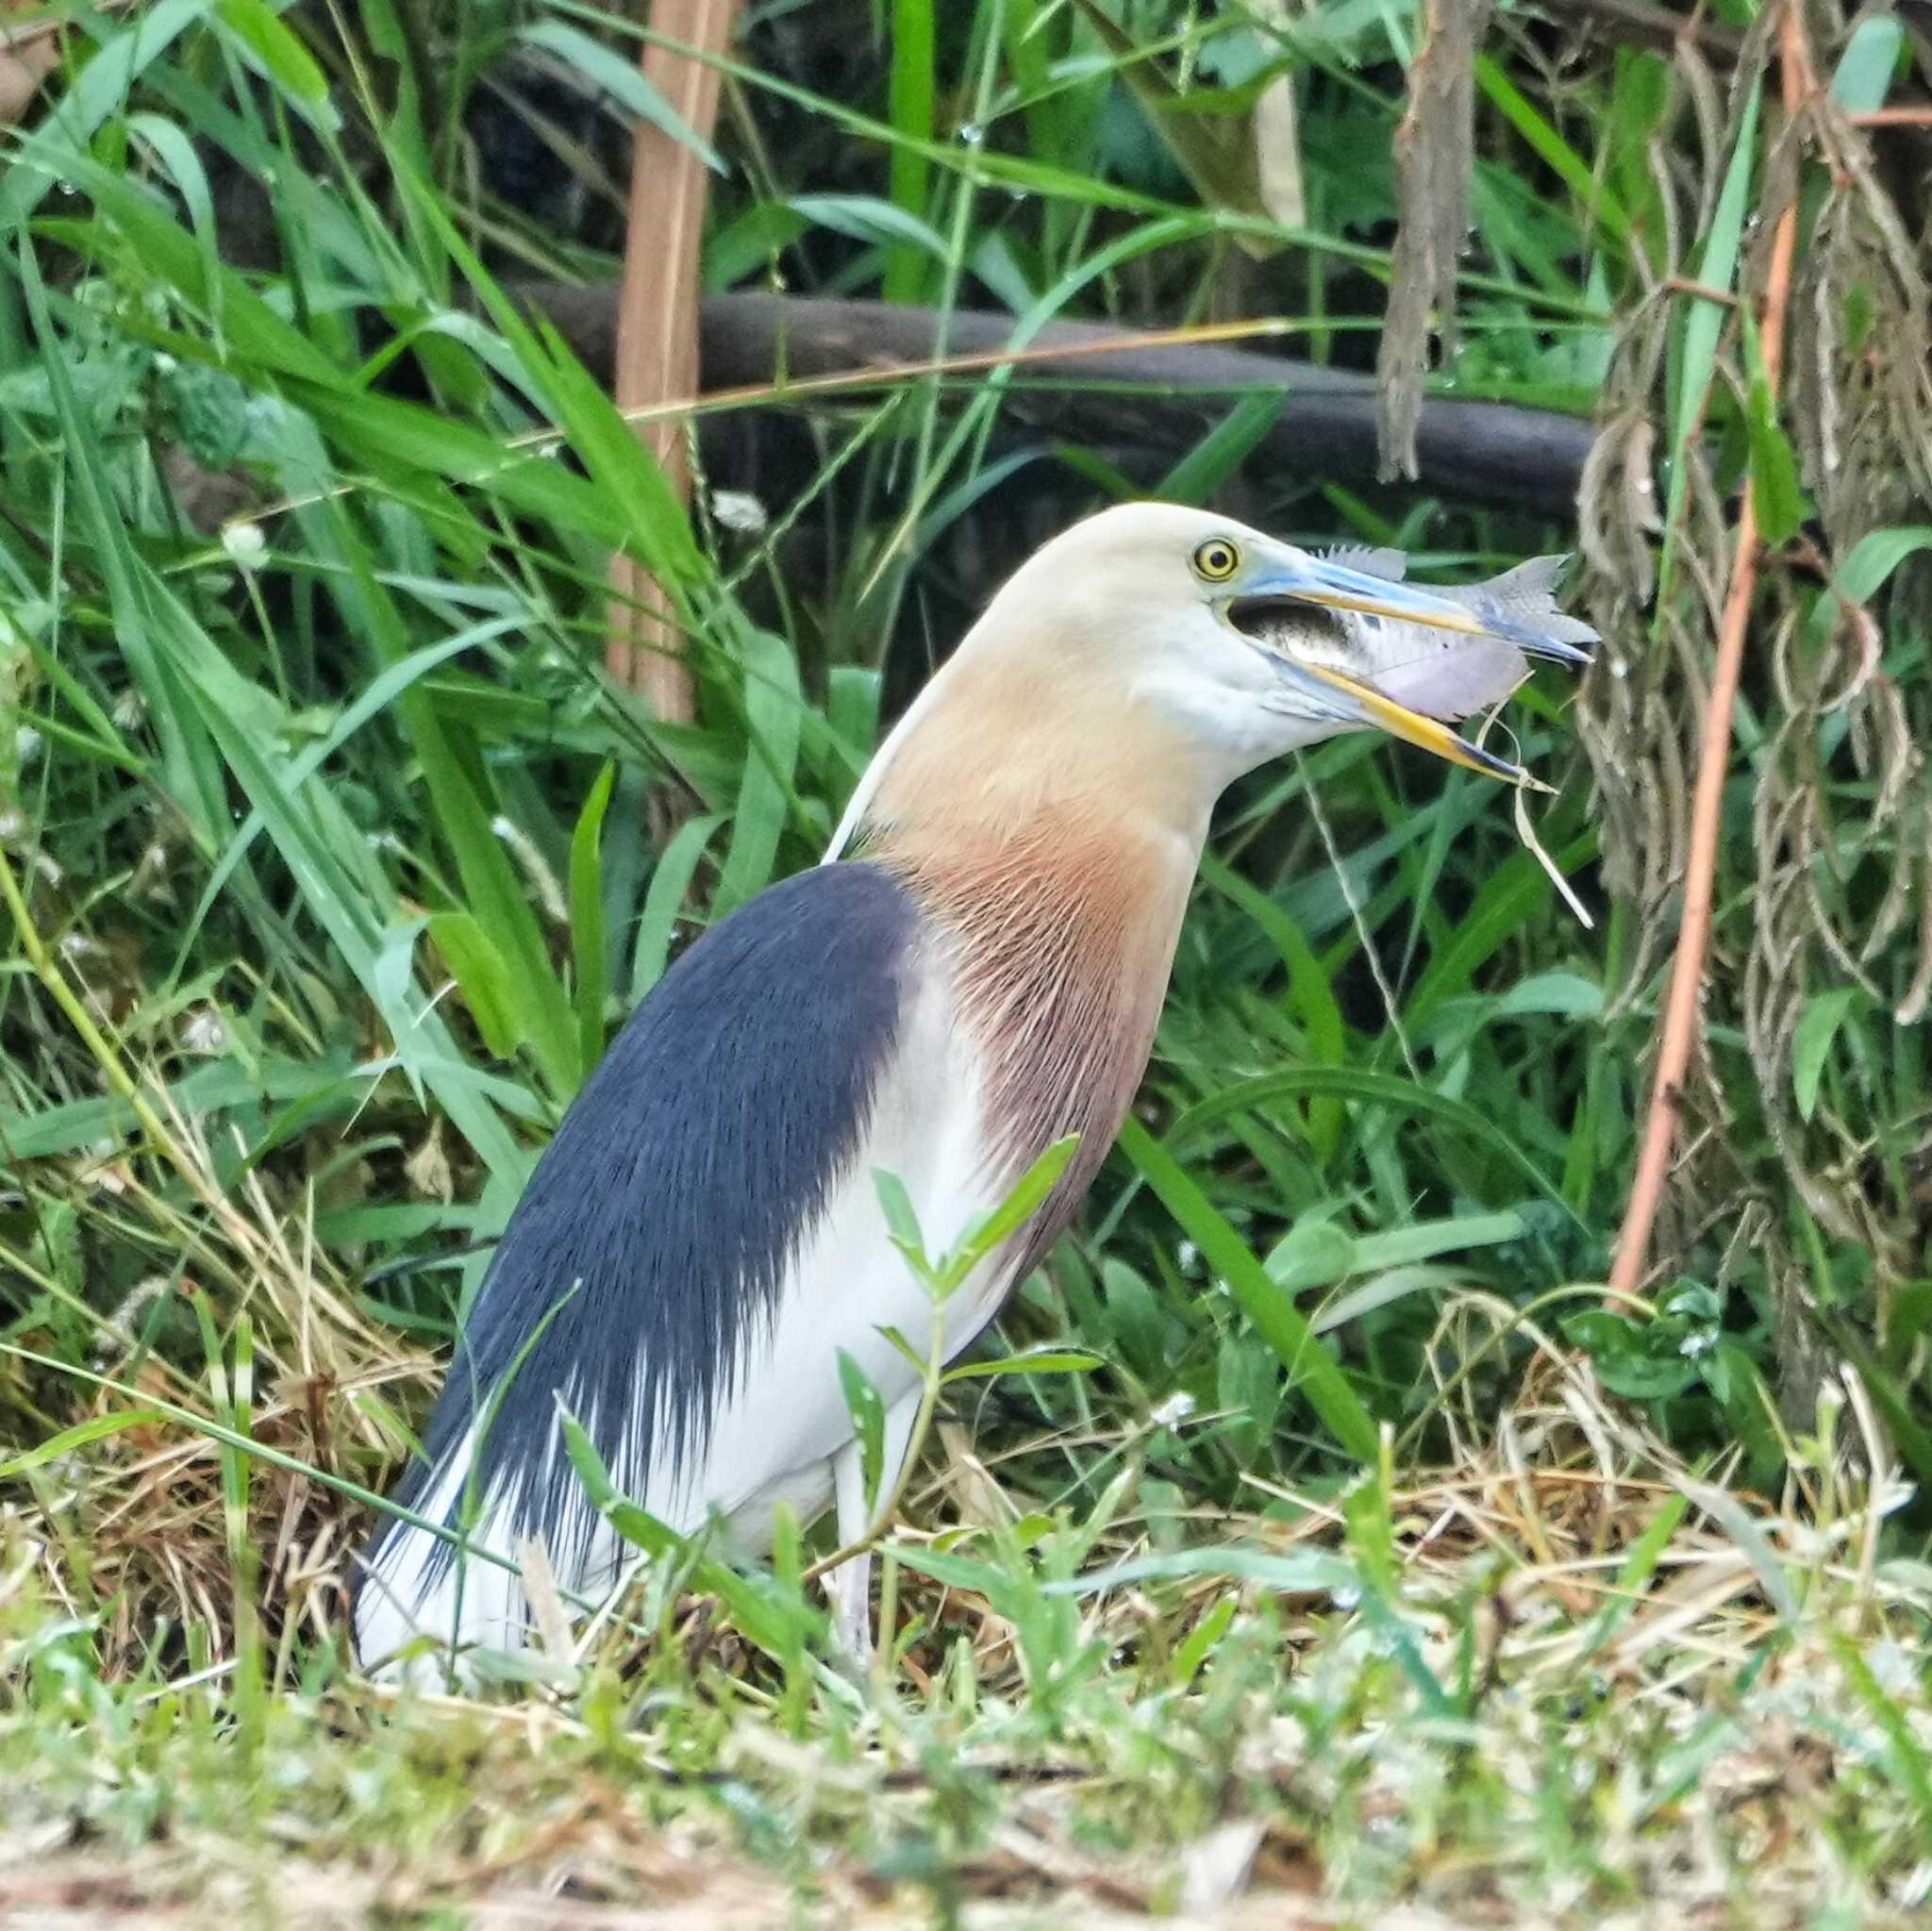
x=1002 y=749
x=1053 y=869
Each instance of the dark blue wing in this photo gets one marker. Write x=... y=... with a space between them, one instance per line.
x=676 y=1190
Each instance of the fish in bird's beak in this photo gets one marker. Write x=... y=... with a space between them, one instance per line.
x=1407 y=658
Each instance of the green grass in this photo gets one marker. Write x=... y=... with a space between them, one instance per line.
x=1373 y=1543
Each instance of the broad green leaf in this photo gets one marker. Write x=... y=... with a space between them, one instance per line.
x=1859 y=579
x=1864 y=72
x=1775 y=496
x=1811 y=1043
x=1313 y=1253
x=1027 y=1196
x=902 y=1219
x=866 y=218
x=485 y=980
x=278 y=52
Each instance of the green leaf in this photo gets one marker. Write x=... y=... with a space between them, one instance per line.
x=622 y=80
x=1027 y=1196
x=101 y=88
x=1214 y=460
x=1385 y=1089
x=280 y=53
x=1287 y=1331
x=1310 y=995
x=1865 y=69
x=486 y=986
x=1876 y=556
x=867 y=1408
x=1301 y=1571
x=1041 y=1361
x=95 y=1429
x=866 y=218
x=1562 y=160
x=587 y=941
x=1811 y=1042
x=664 y=900
x=1503 y=901
x=777 y=1628
x=902 y=1220
x=1200 y=1643
x=1312 y=1254
x=911 y=103
x=775 y=708
x=1776 y=495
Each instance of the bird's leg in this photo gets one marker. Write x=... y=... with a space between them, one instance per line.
x=848 y=1587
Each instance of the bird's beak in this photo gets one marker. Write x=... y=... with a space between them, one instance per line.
x=1335 y=587
x=1412 y=727
x=1314 y=580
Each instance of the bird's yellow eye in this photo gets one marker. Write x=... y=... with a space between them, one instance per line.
x=1217 y=559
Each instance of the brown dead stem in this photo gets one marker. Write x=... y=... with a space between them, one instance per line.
x=1433 y=156
x=657 y=320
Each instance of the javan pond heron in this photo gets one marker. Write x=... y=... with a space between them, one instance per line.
x=972 y=973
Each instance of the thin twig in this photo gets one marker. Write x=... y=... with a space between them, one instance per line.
x=1700 y=872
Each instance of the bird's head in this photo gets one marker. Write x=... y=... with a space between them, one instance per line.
x=1149 y=655
x=1248 y=647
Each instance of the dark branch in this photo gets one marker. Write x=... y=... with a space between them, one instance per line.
x=1158 y=397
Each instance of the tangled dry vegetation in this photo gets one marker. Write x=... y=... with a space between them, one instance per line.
x=1834 y=884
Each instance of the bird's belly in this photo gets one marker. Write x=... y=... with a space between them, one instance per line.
x=773 y=1438
x=806 y=1491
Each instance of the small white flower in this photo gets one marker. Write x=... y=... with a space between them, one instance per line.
x=1173 y=1411
x=129 y=709
x=246 y=546
x=76 y=946
x=206 y=1031
x=740 y=513
x=26 y=745
x=12 y=825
